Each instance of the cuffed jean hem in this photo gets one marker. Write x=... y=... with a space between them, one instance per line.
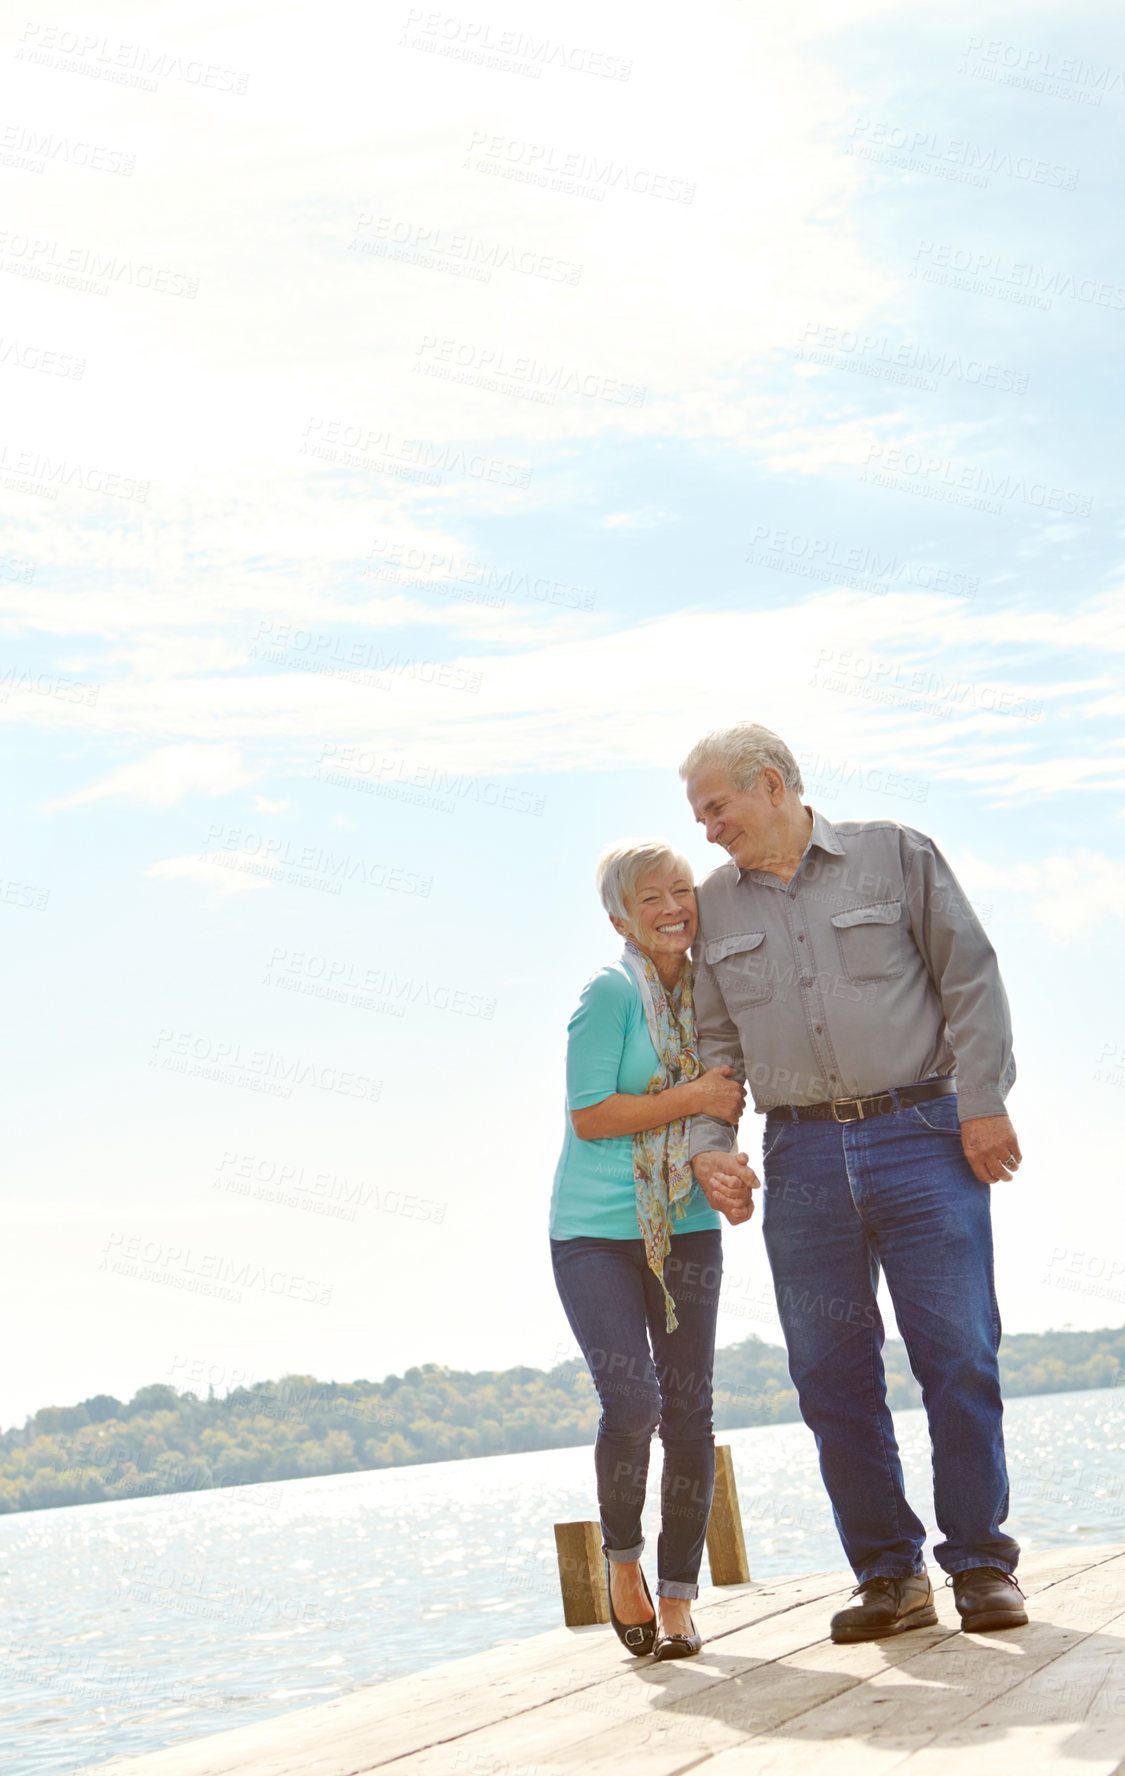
x=968 y=1566
x=880 y=1570
x=673 y=1588
x=624 y=1556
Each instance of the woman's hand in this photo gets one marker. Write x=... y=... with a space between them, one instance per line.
x=719 y=1095
x=727 y=1182
x=624 y=1113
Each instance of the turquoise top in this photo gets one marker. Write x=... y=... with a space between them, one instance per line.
x=608 y=1050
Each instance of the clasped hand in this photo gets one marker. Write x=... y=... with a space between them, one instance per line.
x=727 y=1182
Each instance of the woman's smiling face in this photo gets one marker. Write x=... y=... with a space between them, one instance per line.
x=662 y=914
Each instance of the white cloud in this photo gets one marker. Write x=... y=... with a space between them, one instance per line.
x=265 y=806
x=208 y=872
x=167 y=776
x=925 y=680
x=1070 y=895
x=244 y=531
x=666 y=296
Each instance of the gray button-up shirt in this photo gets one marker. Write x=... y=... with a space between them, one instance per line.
x=869 y=969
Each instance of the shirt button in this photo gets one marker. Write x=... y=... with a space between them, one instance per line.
x=820 y=1032
x=800 y=937
x=806 y=980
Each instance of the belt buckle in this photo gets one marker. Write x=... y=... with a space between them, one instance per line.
x=858 y=1102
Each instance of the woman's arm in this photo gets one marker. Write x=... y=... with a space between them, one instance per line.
x=714 y=1093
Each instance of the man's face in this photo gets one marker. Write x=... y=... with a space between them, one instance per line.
x=745 y=822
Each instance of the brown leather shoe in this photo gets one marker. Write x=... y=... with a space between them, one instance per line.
x=988 y=1598
x=887 y=1606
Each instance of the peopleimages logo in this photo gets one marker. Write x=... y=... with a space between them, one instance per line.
x=46 y=474
x=124 y=64
x=43 y=255
x=478 y=40
x=280 y=859
x=416 y=459
x=421 y=244
x=352 y=766
x=542 y=163
x=826 y=558
x=877 y=355
x=940 y=475
x=489 y=584
x=463 y=359
x=949 y=156
x=260 y=1069
x=183 y=1267
x=1041 y=70
x=1036 y=283
x=23 y=145
x=347 y=978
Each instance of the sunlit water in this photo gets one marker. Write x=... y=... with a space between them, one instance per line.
x=131 y=1626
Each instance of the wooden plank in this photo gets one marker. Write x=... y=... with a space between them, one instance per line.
x=768 y=1687
x=1072 y=1708
x=726 y=1545
x=581 y=1574
x=382 y=1722
x=882 y=1725
x=749 y=1683
x=676 y=1710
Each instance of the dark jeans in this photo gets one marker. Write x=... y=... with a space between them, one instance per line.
x=616 y=1309
x=895 y=1192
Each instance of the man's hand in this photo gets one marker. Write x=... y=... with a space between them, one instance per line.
x=727 y=1182
x=990 y=1147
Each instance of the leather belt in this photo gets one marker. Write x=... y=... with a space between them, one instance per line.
x=878 y=1104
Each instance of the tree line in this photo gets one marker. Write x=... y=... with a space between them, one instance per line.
x=164 y=1440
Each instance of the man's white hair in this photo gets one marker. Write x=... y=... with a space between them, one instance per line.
x=621 y=866
x=743 y=752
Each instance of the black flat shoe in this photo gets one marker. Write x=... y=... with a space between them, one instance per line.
x=678 y=1646
x=639 y=1637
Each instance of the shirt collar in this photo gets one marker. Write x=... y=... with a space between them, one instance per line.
x=823 y=835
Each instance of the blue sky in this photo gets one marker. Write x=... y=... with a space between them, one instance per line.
x=419 y=427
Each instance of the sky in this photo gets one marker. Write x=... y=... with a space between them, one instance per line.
x=418 y=428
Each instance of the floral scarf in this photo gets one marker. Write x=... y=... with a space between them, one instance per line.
x=662 y=1172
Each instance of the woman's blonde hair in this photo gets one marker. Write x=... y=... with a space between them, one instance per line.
x=621 y=866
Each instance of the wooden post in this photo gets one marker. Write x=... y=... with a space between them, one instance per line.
x=581 y=1573
x=726 y=1547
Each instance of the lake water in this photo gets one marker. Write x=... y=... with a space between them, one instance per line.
x=127 y=1627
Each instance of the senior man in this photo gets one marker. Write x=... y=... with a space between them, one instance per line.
x=843 y=974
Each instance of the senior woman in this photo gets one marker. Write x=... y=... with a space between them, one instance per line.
x=635 y=1242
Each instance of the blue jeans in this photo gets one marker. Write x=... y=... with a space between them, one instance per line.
x=896 y=1192
x=616 y=1308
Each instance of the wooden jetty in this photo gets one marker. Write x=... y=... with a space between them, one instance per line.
x=768 y=1696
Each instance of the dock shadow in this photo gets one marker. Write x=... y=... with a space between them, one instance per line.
x=968 y=1690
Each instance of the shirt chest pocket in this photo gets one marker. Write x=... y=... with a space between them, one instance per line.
x=872 y=941
x=739 y=964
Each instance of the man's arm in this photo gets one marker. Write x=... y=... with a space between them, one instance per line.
x=719 y=1045
x=963 y=967
x=722 y=1173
